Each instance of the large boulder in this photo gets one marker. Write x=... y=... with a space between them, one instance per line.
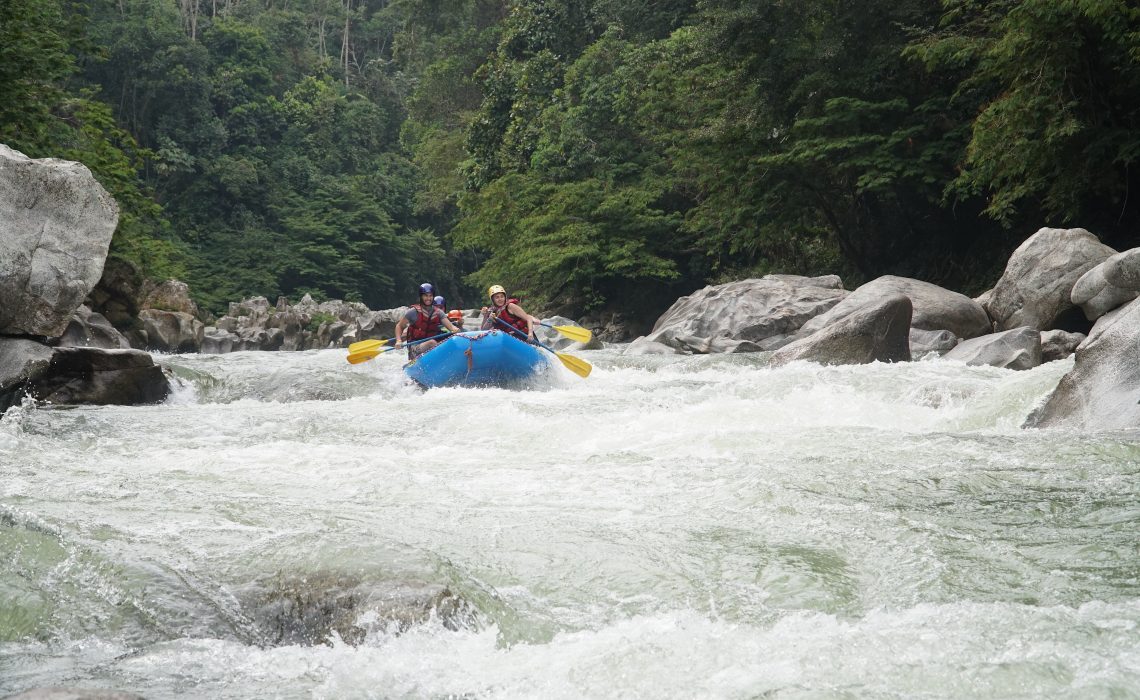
x=1019 y=348
x=1096 y=295
x=1057 y=345
x=935 y=308
x=88 y=329
x=56 y=224
x=1100 y=392
x=744 y=316
x=172 y=331
x=21 y=361
x=877 y=331
x=116 y=296
x=923 y=342
x=171 y=295
x=95 y=376
x=1035 y=289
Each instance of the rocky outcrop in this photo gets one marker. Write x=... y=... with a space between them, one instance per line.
x=1096 y=295
x=1057 y=345
x=1100 y=392
x=1035 y=289
x=254 y=324
x=923 y=343
x=88 y=329
x=95 y=376
x=56 y=224
x=1019 y=348
x=935 y=308
x=877 y=331
x=171 y=331
x=745 y=316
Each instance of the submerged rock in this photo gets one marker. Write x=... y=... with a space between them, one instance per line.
x=310 y=610
x=1019 y=348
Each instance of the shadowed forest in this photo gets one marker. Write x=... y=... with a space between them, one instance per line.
x=589 y=154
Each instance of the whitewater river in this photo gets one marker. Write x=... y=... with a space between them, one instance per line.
x=670 y=527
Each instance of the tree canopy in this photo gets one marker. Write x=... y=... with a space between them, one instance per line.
x=588 y=154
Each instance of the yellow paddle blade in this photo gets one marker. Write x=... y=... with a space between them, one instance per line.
x=575 y=364
x=369 y=345
x=355 y=358
x=576 y=333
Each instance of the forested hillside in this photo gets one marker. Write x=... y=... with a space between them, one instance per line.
x=588 y=154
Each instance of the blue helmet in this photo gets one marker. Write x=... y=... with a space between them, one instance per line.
x=426 y=288
x=439 y=301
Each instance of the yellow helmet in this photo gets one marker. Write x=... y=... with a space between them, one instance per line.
x=495 y=289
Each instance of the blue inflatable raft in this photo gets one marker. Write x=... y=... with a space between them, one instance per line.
x=478 y=358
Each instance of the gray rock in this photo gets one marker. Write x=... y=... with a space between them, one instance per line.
x=1101 y=392
x=21 y=361
x=923 y=342
x=1035 y=289
x=877 y=331
x=172 y=331
x=89 y=329
x=56 y=224
x=741 y=315
x=935 y=308
x=171 y=295
x=95 y=376
x=1057 y=345
x=1019 y=348
x=553 y=339
x=1123 y=270
x=645 y=346
x=1096 y=296
x=219 y=342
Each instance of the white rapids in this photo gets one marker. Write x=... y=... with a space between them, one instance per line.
x=670 y=527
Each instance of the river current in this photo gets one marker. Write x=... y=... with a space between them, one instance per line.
x=670 y=527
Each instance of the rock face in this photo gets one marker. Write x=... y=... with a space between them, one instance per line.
x=935 y=308
x=1101 y=391
x=1057 y=345
x=94 y=376
x=88 y=329
x=1035 y=289
x=877 y=331
x=172 y=331
x=1019 y=348
x=1096 y=295
x=745 y=316
x=253 y=324
x=56 y=224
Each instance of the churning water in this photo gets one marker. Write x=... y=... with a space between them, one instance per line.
x=669 y=527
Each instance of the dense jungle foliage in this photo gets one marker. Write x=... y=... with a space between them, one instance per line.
x=588 y=154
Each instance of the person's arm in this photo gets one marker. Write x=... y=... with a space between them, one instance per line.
x=517 y=310
x=400 y=326
x=450 y=326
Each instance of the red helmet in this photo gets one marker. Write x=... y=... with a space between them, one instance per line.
x=454 y=314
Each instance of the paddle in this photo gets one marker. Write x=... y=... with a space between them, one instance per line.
x=577 y=333
x=370 y=345
x=575 y=364
x=355 y=358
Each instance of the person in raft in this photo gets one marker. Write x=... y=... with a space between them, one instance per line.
x=438 y=301
x=422 y=320
x=456 y=317
x=509 y=312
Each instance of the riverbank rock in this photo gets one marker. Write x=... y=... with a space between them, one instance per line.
x=88 y=329
x=171 y=331
x=1035 y=289
x=745 y=316
x=21 y=361
x=1057 y=345
x=96 y=376
x=935 y=308
x=1019 y=348
x=876 y=331
x=1100 y=392
x=923 y=343
x=56 y=223
x=1096 y=295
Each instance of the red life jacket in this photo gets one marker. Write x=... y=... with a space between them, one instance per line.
x=426 y=325
x=510 y=319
